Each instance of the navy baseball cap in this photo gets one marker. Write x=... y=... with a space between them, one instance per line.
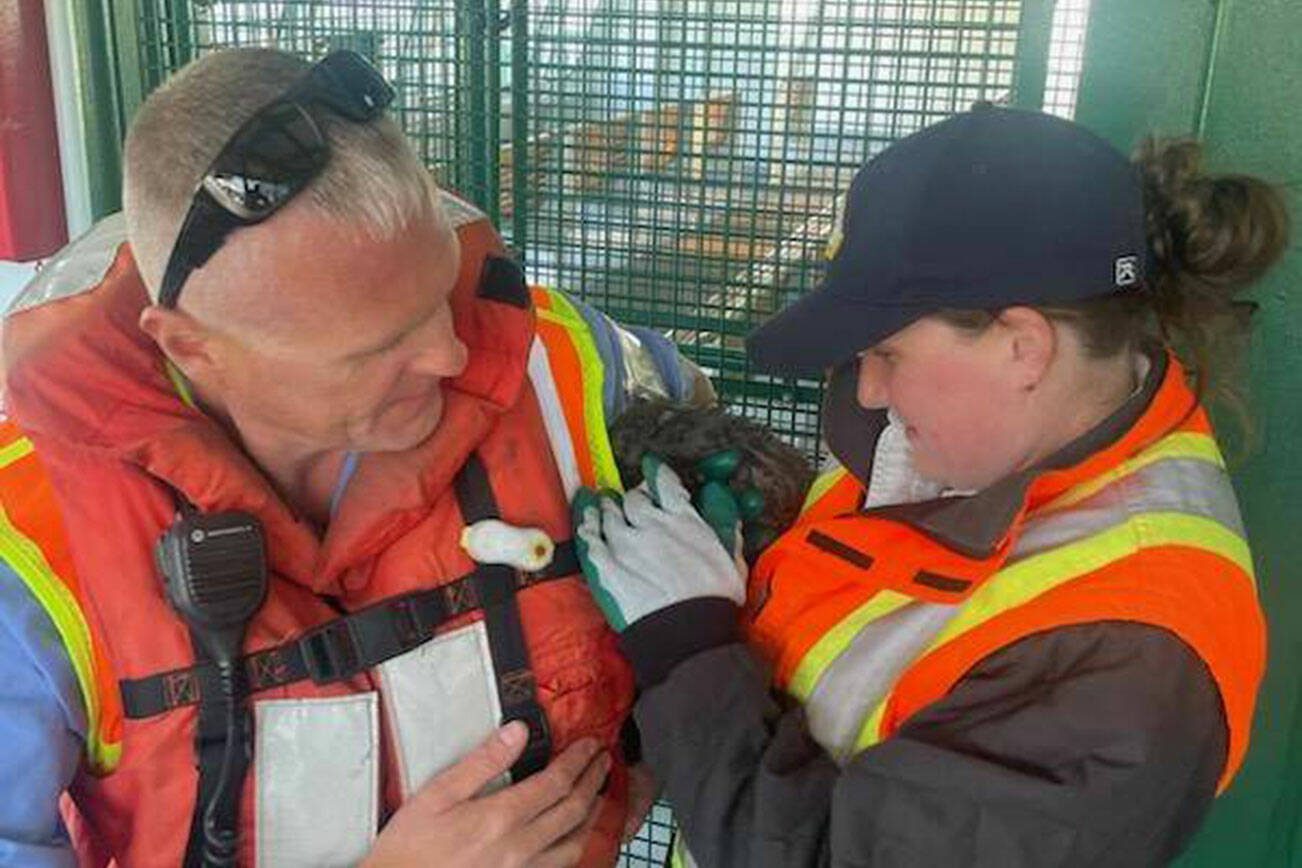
x=990 y=208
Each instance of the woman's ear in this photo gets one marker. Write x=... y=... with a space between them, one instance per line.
x=1032 y=344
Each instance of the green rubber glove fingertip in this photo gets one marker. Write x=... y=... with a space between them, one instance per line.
x=651 y=464
x=751 y=503
x=718 y=507
x=720 y=466
x=584 y=499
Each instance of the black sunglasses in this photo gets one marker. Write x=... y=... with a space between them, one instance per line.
x=270 y=159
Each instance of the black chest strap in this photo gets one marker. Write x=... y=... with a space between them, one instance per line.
x=338 y=649
x=496 y=587
x=346 y=646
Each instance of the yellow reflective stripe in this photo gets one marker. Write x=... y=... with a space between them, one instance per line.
x=180 y=383
x=835 y=641
x=594 y=374
x=28 y=561
x=14 y=451
x=823 y=484
x=870 y=734
x=1184 y=444
x=677 y=853
x=1038 y=574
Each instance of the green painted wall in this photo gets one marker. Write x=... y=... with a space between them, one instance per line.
x=1144 y=63
x=1164 y=65
x=1254 y=124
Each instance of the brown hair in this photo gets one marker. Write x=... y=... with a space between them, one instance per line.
x=1211 y=236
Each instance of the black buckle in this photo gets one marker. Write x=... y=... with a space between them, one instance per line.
x=330 y=652
x=538 y=750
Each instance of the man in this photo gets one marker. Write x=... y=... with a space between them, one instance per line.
x=297 y=351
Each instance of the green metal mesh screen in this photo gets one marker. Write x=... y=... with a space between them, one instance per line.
x=1066 y=56
x=686 y=156
x=676 y=162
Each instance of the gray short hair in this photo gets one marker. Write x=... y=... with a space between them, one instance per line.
x=374 y=179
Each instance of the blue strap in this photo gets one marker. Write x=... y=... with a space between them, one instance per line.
x=665 y=355
x=614 y=391
x=345 y=476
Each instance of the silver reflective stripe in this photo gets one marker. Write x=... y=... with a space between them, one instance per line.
x=317 y=772
x=75 y=269
x=861 y=676
x=553 y=414
x=1182 y=485
x=864 y=672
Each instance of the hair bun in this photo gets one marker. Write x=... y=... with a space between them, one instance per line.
x=1222 y=231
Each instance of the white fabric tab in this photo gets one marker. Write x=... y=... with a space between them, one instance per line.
x=317 y=767
x=549 y=402
x=440 y=701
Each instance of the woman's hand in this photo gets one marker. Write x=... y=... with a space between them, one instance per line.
x=540 y=822
x=651 y=551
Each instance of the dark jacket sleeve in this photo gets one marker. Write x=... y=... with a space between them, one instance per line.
x=1098 y=744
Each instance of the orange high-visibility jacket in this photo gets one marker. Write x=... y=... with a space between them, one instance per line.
x=99 y=427
x=1145 y=529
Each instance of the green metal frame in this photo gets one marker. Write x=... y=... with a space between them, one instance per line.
x=100 y=101
x=1032 y=53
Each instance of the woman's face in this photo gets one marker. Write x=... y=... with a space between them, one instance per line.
x=962 y=397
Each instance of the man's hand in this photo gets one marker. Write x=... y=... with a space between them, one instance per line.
x=539 y=822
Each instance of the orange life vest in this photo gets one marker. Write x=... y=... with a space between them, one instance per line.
x=101 y=427
x=869 y=616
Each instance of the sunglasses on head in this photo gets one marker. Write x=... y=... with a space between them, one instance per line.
x=270 y=159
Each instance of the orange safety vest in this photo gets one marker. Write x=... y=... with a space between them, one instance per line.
x=869 y=616
x=97 y=426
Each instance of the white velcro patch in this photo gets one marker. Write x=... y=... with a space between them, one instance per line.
x=440 y=701
x=317 y=768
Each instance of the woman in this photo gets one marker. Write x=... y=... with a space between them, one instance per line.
x=1016 y=623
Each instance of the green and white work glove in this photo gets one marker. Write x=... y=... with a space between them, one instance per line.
x=659 y=571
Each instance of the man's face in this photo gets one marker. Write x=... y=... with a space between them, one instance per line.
x=328 y=339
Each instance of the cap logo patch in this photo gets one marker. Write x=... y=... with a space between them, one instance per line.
x=834 y=242
x=1126 y=271
x=837 y=237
